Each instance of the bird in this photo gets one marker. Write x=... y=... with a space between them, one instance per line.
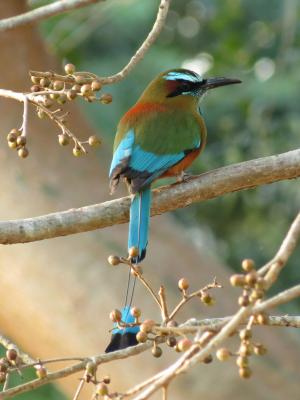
x=160 y=136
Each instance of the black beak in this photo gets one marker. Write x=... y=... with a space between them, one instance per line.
x=211 y=83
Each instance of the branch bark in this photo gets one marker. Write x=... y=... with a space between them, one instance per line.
x=58 y=7
x=212 y=184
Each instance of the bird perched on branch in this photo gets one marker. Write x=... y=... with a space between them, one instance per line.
x=160 y=136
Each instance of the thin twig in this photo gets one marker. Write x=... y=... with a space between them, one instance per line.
x=79 y=388
x=6 y=383
x=187 y=297
x=294 y=231
x=165 y=392
x=163 y=302
x=286 y=249
x=33 y=98
x=141 y=279
x=49 y=10
x=135 y=59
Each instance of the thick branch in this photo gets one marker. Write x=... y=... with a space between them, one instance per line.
x=58 y=7
x=209 y=185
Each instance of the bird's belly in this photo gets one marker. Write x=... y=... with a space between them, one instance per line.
x=182 y=165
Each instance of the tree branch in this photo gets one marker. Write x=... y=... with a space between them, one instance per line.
x=135 y=59
x=212 y=184
x=197 y=354
x=58 y=7
x=52 y=376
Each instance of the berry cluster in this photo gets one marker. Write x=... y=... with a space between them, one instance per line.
x=17 y=140
x=253 y=285
x=11 y=360
x=49 y=93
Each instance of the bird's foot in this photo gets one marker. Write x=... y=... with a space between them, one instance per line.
x=184 y=177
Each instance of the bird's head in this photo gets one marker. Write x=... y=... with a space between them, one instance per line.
x=182 y=86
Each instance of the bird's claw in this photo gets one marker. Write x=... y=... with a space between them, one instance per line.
x=184 y=177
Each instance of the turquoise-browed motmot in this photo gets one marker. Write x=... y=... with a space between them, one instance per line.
x=159 y=136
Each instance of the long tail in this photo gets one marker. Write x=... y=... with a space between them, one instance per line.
x=139 y=222
x=137 y=237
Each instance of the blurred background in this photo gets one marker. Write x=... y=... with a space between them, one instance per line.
x=57 y=294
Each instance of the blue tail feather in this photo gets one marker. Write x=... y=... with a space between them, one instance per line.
x=126 y=337
x=139 y=222
x=137 y=237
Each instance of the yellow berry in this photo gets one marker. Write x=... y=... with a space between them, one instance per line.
x=242 y=362
x=237 y=280
x=251 y=278
x=133 y=252
x=94 y=141
x=12 y=137
x=114 y=260
x=184 y=344
x=11 y=354
x=35 y=79
x=245 y=349
x=71 y=94
x=171 y=341
x=156 y=351
x=40 y=371
x=45 y=82
x=76 y=88
x=23 y=152
x=79 y=79
x=70 y=69
x=102 y=389
x=245 y=334
x=248 y=265
x=207 y=299
x=183 y=284
x=244 y=301
x=96 y=85
x=245 y=372
x=35 y=88
x=58 y=85
x=12 y=145
x=147 y=326
x=77 y=151
x=208 y=359
x=106 y=98
x=21 y=140
x=141 y=337
x=135 y=312
x=63 y=139
x=115 y=315
x=86 y=89
x=62 y=99
x=223 y=354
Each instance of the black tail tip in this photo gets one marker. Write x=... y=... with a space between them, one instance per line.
x=136 y=260
x=120 y=341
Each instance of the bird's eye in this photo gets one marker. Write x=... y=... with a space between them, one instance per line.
x=185 y=86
